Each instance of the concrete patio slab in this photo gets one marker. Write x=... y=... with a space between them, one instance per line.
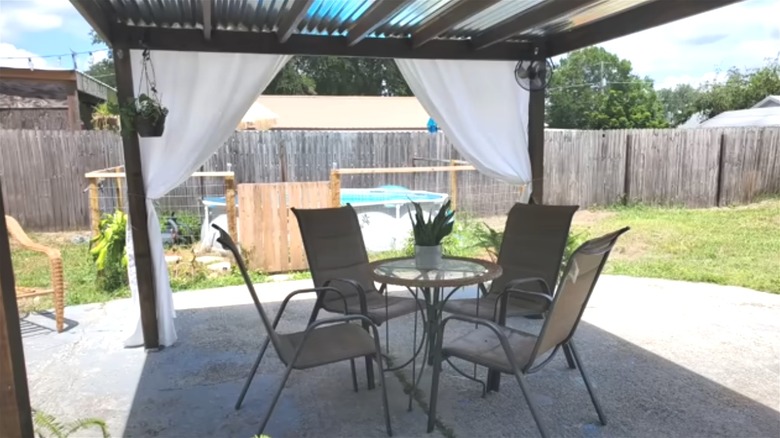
x=668 y=359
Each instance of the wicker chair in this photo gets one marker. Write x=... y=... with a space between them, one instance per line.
x=55 y=260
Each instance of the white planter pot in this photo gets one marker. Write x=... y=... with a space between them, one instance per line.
x=427 y=257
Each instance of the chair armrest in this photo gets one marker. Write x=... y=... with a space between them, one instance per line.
x=309 y=290
x=545 y=299
x=355 y=285
x=343 y=319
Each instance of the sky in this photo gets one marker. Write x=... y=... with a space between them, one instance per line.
x=693 y=50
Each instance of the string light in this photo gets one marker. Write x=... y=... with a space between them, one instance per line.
x=59 y=55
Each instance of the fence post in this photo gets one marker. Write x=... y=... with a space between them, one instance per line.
x=627 y=170
x=453 y=186
x=335 y=188
x=119 y=194
x=230 y=204
x=94 y=206
x=721 y=163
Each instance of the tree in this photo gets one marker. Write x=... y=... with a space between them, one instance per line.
x=329 y=75
x=679 y=103
x=740 y=90
x=595 y=89
x=102 y=70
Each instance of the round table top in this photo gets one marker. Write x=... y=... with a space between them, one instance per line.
x=453 y=272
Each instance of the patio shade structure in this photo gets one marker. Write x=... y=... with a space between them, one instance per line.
x=462 y=30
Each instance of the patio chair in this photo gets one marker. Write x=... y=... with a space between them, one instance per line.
x=337 y=257
x=530 y=256
x=323 y=342
x=516 y=352
x=57 y=290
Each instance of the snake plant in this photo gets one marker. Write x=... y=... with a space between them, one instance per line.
x=436 y=228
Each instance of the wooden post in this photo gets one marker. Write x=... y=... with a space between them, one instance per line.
x=453 y=186
x=15 y=413
x=628 y=171
x=94 y=206
x=230 y=202
x=136 y=202
x=335 y=188
x=721 y=163
x=120 y=194
x=536 y=144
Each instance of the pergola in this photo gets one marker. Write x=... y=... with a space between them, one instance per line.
x=413 y=29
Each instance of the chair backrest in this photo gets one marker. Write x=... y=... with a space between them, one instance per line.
x=533 y=244
x=226 y=241
x=579 y=278
x=334 y=246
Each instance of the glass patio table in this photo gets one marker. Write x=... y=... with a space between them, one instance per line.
x=453 y=273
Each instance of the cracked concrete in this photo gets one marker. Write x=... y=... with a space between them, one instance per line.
x=667 y=359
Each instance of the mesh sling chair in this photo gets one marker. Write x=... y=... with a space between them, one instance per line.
x=337 y=257
x=323 y=342
x=516 y=352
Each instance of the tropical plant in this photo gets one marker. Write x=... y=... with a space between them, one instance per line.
x=46 y=426
x=489 y=239
x=108 y=251
x=432 y=231
x=104 y=117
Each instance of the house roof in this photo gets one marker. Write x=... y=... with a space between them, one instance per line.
x=767 y=102
x=17 y=82
x=345 y=112
x=444 y=29
x=744 y=118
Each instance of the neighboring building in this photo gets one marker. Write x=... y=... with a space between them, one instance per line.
x=374 y=113
x=768 y=102
x=49 y=99
x=758 y=117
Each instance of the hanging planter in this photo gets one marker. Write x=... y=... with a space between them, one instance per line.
x=429 y=234
x=145 y=114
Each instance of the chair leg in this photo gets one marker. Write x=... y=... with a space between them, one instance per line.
x=531 y=404
x=276 y=398
x=369 y=365
x=385 y=403
x=569 y=358
x=252 y=373
x=434 y=389
x=354 y=374
x=602 y=417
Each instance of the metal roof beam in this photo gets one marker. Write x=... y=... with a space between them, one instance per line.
x=528 y=19
x=459 y=12
x=157 y=38
x=94 y=17
x=292 y=18
x=379 y=13
x=208 y=6
x=642 y=17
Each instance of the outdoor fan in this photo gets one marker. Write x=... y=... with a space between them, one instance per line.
x=534 y=75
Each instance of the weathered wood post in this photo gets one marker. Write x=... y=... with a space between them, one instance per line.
x=230 y=203
x=453 y=186
x=335 y=188
x=94 y=207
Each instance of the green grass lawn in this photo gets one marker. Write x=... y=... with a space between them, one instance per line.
x=733 y=246
x=737 y=246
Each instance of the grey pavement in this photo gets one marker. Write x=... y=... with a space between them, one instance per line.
x=667 y=358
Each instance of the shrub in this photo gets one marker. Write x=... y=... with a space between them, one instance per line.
x=109 y=253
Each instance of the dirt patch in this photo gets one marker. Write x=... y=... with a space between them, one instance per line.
x=588 y=217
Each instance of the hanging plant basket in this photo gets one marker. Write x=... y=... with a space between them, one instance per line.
x=145 y=114
x=147 y=127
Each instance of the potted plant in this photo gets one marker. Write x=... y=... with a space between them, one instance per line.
x=149 y=116
x=428 y=234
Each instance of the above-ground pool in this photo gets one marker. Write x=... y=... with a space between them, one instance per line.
x=382 y=212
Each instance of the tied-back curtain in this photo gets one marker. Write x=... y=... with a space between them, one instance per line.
x=482 y=110
x=206 y=95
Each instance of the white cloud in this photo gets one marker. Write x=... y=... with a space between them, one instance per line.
x=695 y=49
x=21 y=16
x=12 y=56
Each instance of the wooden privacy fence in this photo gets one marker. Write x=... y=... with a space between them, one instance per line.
x=45 y=188
x=268 y=229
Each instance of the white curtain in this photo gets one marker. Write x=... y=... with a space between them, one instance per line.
x=482 y=110
x=206 y=94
